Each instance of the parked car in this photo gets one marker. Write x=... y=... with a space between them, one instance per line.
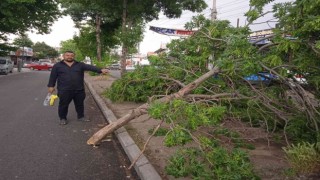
x=144 y=62
x=114 y=67
x=6 y=66
x=47 y=61
x=266 y=78
x=261 y=78
x=26 y=64
x=40 y=66
x=300 y=78
x=130 y=68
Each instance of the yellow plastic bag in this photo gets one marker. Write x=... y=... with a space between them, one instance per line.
x=52 y=99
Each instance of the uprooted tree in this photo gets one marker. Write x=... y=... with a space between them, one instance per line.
x=278 y=101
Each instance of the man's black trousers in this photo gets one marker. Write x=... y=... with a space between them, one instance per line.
x=65 y=97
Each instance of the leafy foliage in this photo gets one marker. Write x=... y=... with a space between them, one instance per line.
x=135 y=87
x=17 y=17
x=71 y=45
x=86 y=40
x=284 y=105
x=42 y=50
x=23 y=41
x=160 y=132
x=304 y=157
x=97 y=21
x=187 y=115
x=223 y=165
x=234 y=136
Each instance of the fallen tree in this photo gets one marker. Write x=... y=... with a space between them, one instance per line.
x=269 y=106
x=98 y=136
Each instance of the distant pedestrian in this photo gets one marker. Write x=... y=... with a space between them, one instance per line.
x=69 y=75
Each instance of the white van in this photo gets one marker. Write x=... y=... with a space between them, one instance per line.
x=6 y=66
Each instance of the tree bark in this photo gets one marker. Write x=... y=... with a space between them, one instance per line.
x=98 y=136
x=98 y=38
x=124 y=46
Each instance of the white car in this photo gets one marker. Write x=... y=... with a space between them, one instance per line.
x=114 y=67
x=299 y=78
x=6 y=66
x=144 y=62
x=130 y=68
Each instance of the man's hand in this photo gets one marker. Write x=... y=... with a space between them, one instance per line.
x=51 y=90
x=104 y=71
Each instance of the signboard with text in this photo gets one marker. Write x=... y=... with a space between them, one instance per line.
x=171 y=32
x=256 y=35
x=23 y=51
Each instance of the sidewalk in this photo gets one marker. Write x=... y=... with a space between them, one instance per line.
x=112 y=111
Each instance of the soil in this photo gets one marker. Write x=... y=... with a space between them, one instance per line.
x=268 y=157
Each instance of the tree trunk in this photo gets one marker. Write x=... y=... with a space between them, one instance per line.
x=98 y=136
x=98 y=38
x=124 y=46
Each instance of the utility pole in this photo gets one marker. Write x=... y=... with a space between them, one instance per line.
x=211 y=59
x=214 y=10
x=123 y=61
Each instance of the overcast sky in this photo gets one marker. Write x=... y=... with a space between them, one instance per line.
x=231 y=10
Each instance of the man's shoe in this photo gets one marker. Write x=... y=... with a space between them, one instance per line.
x=63 y=122
x=83 y=119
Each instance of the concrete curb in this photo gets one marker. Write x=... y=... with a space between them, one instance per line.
x=144 y=168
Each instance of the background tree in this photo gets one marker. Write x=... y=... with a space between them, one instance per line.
x=17 y=17
x=95 y=14
x=137 y=12
x=23 y=41
x=86 y=41
x=133 y=13
x=71 y=45
x=44 y=51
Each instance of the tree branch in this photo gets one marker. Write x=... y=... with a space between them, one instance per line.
x=267 y=45
x=98 y=136
x=314 y=48
x=204 y=96
x=174 y=80
x=145 y=145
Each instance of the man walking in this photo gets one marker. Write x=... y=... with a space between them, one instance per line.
x=69 y=75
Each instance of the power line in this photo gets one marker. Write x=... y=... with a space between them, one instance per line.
x=186 y=16
x=231 y=10
x=231 y=3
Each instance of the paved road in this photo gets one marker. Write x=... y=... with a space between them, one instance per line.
x=115 y=73
x=34 y=146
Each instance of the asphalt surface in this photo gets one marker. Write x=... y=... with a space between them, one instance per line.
x=34 y=145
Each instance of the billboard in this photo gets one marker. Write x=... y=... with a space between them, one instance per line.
x=171 y=32
x=26 y=51
x=254 y=36
x=23 y=51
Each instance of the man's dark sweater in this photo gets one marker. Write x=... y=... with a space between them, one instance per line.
x=70 y=78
